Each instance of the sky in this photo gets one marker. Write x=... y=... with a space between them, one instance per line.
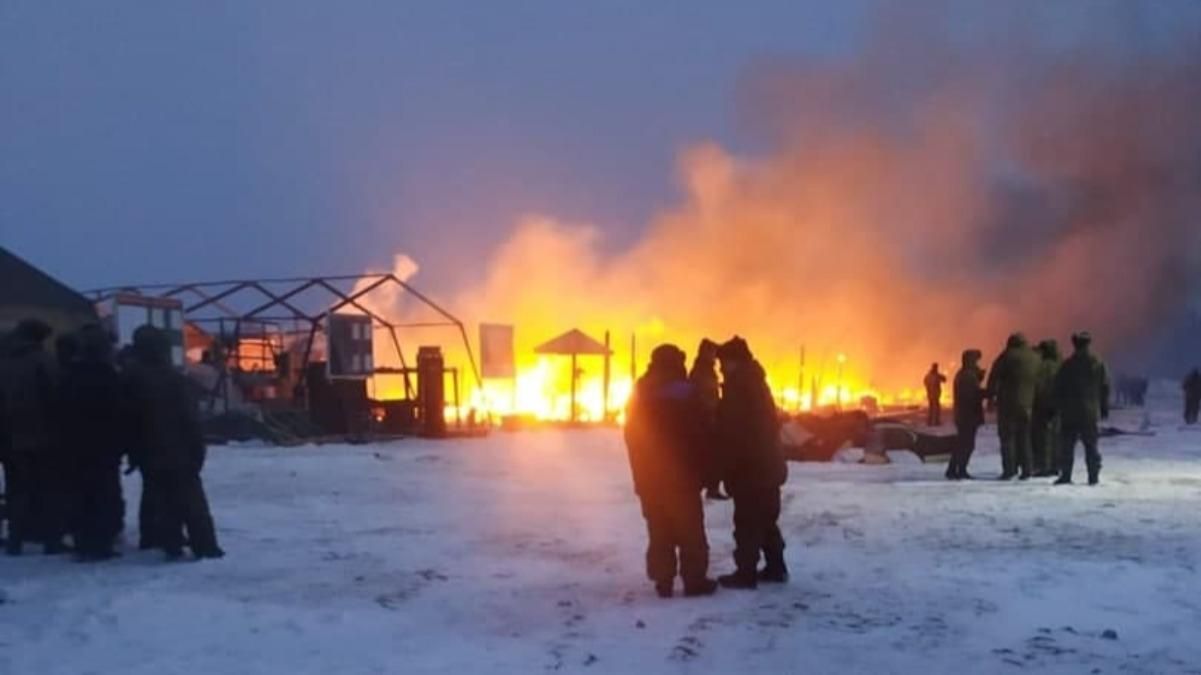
x=184 y=141
x=175 y=141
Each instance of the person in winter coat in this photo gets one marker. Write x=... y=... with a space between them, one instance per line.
x=1082 y=397
x=1011 y=383
x=1192 y=396
x=703 y=377
x=94 y=433
x=934 y=381
x=1044 y=424
x=168 y=446
x=969 y=413
x=670 y=462
x=753 y=467
x=32 y=466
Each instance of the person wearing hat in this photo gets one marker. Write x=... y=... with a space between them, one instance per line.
x=969 y=413
x=1044 y=424
x=670 y=464
x=1082 y=397
x=1011 y=382
x=703 y=376
x=753 y=467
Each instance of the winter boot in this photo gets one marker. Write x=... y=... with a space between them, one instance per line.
x=698 y=589
x=739 y=580
x=664 y=589
x=1094 y=477
x=213 y=553
x=1008 y=475
x=774 y=574
x=1064 y=479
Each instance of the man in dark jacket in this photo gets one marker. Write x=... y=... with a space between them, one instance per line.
x=969 y=413
x=933 y=382
x=703 y=377
x=753 y=466
x=32 y=462
x=1044 y=424
x=1192 y=396
x=670 y=463
x=1082 y=397
x=169 y=447
x=94 y=435
x=1011 y=382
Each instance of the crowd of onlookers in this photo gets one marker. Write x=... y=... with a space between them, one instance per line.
x=70 y=415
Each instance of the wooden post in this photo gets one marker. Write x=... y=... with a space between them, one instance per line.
x=573 y=376
x=605 y=393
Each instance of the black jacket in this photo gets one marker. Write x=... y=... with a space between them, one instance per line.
x=665 y=437
x=748 y=433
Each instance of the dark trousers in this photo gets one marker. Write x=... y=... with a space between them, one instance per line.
x=1087 y=435
x=965 y=445
x=1192 y=406
x=184 y=506
x=934 y=412
x=100 y=508
x=1013 y=426
x=1044 y=439
x=675 y=528
x=757 y=530
x=18 y=499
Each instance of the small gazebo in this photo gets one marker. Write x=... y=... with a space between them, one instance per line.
x=575 y=343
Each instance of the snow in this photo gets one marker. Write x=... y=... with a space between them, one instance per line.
x=522 y=553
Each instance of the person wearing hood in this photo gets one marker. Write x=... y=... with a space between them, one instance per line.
x=169 y=447
x=1011 y=383
x=703 y=377
x=1082 y=397
x=969 y=413
x=669 y=457
x=1044 y=425
x=94 y=434
x=753 y=467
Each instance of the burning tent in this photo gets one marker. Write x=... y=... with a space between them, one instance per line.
x=576 y=343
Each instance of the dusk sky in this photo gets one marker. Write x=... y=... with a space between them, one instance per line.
x=169 y=141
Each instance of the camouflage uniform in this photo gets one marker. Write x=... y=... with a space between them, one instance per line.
x=1012 y=383
x=1044 y=423
x=1082 y=397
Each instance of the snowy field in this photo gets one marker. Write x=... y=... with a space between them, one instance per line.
x=523 y=554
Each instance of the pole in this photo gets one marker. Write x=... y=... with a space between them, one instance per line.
x=800 y=380
x=573 y=375
x=605 y=393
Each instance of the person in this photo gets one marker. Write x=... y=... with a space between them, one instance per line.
x=30 y=465
x=968 y=389
x=933 y=382
x=1044 y=425
x=669 y=463
x=1011 y=384
x=1082 y=397
x=703 y=377
x=169 y=448
x=1192 y=396
x=752 y=466
x=94 y=433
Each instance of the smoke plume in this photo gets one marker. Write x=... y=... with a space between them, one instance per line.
x=925 y=196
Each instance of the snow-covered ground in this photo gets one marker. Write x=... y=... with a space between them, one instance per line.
x=522 y=553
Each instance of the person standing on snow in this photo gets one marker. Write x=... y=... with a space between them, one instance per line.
x=1011 y=383
x=1044 y=425
x=933 y=382
x=752 y=465
x=1082 y=397
x=969 y=413
x=703 y=377
x=1192 y=396
x=670 y=463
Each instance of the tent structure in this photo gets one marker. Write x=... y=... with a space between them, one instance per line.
x=29 y=293
x=575 y=343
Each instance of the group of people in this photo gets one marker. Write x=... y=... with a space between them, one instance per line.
x=1044 y=407
x=686 y=434
x=68 y=419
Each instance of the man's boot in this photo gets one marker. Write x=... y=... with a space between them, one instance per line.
x=1094 y=477
x=701 y=588
x=1064 y=479
x=664 y=588
x=740 y=580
